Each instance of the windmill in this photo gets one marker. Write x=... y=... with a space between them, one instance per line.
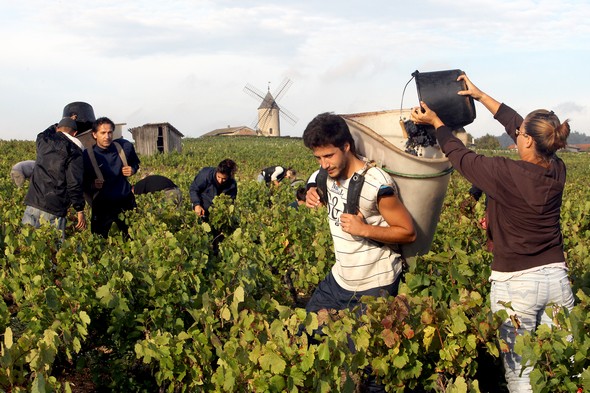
x=268 y=123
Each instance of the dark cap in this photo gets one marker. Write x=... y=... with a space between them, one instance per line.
x=68 y=122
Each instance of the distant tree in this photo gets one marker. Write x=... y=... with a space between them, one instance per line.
x=576 y=138
x=488 y=142
x=505 y=140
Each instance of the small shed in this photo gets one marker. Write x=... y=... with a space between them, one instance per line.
x=155 y=138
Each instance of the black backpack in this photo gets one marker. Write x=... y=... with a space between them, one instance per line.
x=353 y=197
x=354 y=188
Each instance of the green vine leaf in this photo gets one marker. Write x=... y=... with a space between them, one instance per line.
x=429 y=332
x=273 y=362
x=8 y=338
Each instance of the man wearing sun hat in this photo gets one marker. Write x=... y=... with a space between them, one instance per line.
x=56 y=182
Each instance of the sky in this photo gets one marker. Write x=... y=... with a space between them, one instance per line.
x=187 y=62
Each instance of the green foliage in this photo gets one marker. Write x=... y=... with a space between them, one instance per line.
x=487 y=141
x=167 y=311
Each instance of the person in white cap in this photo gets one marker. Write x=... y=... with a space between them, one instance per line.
x=56 y=182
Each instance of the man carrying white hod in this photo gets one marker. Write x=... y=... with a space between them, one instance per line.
x=364 y=240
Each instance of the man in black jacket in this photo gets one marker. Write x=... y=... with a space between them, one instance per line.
x=56 y=182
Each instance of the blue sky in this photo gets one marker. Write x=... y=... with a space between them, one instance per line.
x=187 y=62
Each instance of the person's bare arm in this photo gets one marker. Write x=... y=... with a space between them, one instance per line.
x=400 y=229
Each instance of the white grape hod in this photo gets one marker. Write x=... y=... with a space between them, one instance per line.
x=422 y=177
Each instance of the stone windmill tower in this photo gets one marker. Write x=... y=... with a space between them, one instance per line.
x=269 y=113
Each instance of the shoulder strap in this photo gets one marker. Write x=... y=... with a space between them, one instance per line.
x=92 y=157
x=321 y=182
x=353 y=195
x=355 y=187
x=121 y=153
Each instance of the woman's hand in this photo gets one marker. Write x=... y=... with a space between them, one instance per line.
x=490 y=103
x=424 y=115
x=472 y=90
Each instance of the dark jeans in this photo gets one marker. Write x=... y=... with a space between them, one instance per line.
x=106 y=212
x=330 y=295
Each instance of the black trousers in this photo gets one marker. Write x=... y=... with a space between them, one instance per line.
x=106 y=212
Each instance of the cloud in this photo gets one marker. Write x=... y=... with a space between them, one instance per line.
x=570 y=107
x=187 y=61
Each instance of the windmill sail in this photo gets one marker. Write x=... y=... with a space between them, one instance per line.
x=269 y=112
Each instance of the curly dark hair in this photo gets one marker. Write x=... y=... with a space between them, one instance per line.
x=227 y=167
x=301 y=193
x=100 y=121
x=328 y=129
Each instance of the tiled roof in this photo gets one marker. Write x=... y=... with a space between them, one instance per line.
x=241 y=130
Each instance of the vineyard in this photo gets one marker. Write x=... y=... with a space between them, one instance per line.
x=162 y=311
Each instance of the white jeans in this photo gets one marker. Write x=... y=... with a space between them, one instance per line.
x=529 y=295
